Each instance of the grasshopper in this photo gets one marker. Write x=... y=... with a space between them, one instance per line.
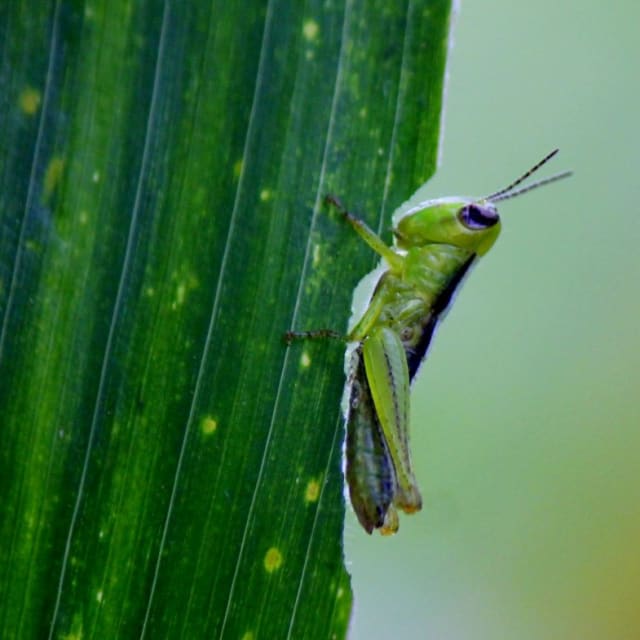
x=436 y=242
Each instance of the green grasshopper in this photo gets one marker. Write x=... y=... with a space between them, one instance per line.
x=435 y=244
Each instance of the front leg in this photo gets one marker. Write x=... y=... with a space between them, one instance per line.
x=367 y=234
x=318 y=334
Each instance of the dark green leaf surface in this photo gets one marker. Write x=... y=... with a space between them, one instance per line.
x=168 y=467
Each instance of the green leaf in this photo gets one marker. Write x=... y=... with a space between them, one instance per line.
x=168 y=467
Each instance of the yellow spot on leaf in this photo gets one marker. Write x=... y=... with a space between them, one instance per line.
x=237 y=168
x=53 y=176
x=272 y=560
x=310 y=29
x=305 y=360
x=316 y=255
x=99 y=596
x=265 y=195
x=181 y=293
x=186 y=283
x=247 y=635
x=312 y=491
x=208 y=425
x=76 y=631
x=30 y=100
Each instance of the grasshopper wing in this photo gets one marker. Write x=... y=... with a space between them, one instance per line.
x=370 y=474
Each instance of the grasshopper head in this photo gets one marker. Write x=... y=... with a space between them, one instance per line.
x=462 y=222
x=467 y=223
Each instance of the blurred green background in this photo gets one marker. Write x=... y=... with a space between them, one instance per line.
x=526 y=418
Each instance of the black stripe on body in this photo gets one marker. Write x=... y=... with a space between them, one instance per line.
x=416 y=354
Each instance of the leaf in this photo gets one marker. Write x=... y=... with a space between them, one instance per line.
x=169 y=467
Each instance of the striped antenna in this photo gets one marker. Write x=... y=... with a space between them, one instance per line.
x=530 y=187
x=508 y=192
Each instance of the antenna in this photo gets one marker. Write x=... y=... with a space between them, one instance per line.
x=507 y=192
x=530 y=187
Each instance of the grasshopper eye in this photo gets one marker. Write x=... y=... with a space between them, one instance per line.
x=474 y=217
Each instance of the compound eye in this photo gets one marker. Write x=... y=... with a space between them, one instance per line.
x=473 y=216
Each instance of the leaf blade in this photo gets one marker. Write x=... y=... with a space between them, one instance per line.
x=165 y=467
